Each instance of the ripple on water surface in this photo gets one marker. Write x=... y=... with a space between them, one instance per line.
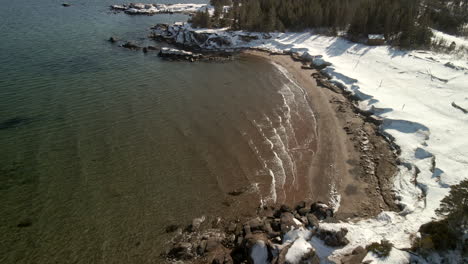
x=103 y=147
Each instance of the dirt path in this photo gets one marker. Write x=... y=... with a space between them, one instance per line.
x=353 y=160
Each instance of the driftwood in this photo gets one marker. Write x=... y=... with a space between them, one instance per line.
x=459 y=108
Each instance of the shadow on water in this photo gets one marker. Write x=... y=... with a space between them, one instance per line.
x=14 y=122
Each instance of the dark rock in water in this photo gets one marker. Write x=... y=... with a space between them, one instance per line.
x=303 y=211
x=145 y=49
x=321 y=210
x=285 y=208
x=300 y=205
x=182 y=251
x=172 y=228
x=66 y=4
x=113 y=39
x=152 y=48
x=130 y=45
x=13 y=122
x=237 y=192
x=25 y=223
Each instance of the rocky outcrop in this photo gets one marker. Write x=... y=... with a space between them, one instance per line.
x=265 y=238
x=334 y=238
x=184 y=35
x=179 y=54
x=152 y=9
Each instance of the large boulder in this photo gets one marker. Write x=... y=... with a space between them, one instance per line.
x=181 y=251
x=287 y=222
x=321 y=210
x=334 y=238
x=313 y=221
x=131 y=45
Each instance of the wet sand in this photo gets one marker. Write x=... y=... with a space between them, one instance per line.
x=352 y=160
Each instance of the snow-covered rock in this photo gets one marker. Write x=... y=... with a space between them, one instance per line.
x=151 y=9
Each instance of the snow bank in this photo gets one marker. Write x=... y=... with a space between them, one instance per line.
x=459 y=41
x=412 y=91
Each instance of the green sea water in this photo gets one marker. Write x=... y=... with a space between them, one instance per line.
x=102 y=147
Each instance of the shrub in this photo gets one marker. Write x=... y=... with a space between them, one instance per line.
x=381 y=249
x=439 y=235
x=454 y=207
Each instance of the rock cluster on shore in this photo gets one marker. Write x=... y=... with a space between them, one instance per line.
x=151 y=9
x=276 y=235
x=183 y=35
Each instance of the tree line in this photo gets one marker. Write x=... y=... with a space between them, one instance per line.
x=403 y=22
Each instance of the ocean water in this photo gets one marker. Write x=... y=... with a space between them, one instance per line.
x=101 y=147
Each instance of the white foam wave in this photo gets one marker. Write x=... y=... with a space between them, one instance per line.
x=303 y=92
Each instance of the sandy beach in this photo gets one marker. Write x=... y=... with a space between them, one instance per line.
x=353 y=164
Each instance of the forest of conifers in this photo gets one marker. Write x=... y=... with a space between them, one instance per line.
x=404 y=23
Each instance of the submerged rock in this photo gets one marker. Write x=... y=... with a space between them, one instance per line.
x=131 y=45
x=14 y=122
x=182 y=250
x=25 y=223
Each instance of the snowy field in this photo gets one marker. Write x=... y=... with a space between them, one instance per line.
x=414 y=92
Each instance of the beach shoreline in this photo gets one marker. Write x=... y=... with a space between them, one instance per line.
x=354 y=166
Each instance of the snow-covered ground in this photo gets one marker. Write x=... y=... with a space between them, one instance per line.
x=413 y=92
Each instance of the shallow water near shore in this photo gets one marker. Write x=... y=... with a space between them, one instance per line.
x=103 y=147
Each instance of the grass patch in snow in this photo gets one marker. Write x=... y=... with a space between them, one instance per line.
x=381 y=249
